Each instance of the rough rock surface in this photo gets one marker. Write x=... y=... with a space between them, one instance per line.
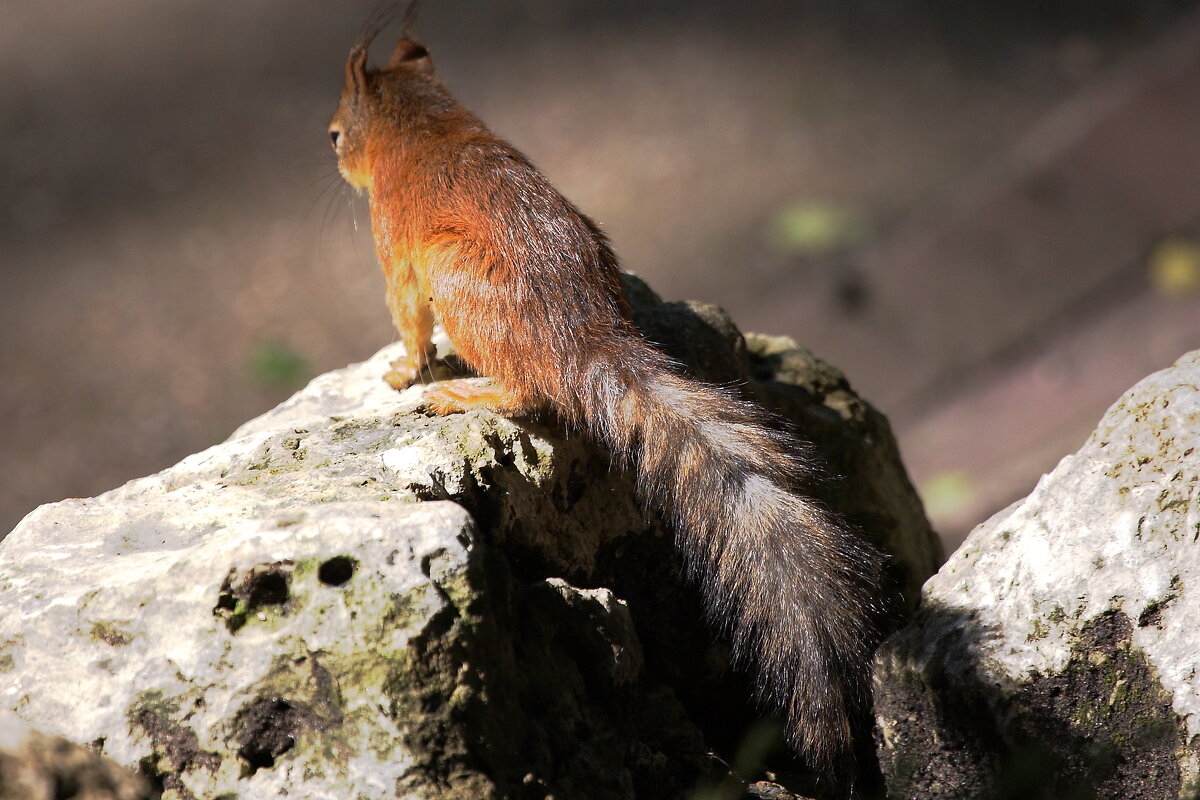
x=1056 y=654
x=38 y=767
x=351 y=599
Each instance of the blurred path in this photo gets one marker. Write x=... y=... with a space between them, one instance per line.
x=176 y=252
x=1021 y=306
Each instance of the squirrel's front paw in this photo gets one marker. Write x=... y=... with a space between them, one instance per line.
x=400 y=379
x=407 y=370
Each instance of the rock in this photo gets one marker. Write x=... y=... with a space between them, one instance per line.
x=1054 y=655
x=38 y=767
x=349 y=598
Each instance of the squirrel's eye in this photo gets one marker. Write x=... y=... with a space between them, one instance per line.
x=335 y=136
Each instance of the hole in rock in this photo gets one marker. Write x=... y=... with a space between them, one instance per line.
x=266 y=588
x=337 y=571
x=268 y=730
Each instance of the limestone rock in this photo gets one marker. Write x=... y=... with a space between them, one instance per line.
x=349 y=598
x=1055 y=654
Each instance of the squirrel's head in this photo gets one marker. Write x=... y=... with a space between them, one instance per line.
x=375 y=103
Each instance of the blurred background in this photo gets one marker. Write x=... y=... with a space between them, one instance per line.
x=988 y=215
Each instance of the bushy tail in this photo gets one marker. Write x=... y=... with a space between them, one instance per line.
x=797 y=588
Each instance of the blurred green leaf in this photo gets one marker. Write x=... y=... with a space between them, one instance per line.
x=1175 y=267
x=759 y=742
x=948 y=493
x=815 y=229
x=276 y=365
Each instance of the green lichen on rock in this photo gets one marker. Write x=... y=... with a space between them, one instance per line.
x=11 y=650
x=111 y=633
x=1100 y=727
x=1103 y=725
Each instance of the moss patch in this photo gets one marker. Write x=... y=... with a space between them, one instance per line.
x=1104 y=723
x=1102 y=728
x=110 y=633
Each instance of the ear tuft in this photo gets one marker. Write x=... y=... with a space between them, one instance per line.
x=356 y=70
x=411 y=54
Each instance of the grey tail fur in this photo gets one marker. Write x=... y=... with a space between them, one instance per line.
x=798 y=590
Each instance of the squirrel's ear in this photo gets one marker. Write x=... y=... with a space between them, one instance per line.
x=411 y=55
x=356 y=71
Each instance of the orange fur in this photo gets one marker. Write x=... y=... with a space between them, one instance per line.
x=528 y=291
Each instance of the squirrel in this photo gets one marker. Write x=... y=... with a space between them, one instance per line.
x=527 y=289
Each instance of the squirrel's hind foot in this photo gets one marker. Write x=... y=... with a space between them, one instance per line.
x=453 y=397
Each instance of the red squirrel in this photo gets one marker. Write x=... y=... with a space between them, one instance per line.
x=469 y=232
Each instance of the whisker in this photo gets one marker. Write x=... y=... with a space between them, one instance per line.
x=330 y=195
x=354 y=240
x=316 y=155
x=327 y=178
x=321 y=194
x=333 y=206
